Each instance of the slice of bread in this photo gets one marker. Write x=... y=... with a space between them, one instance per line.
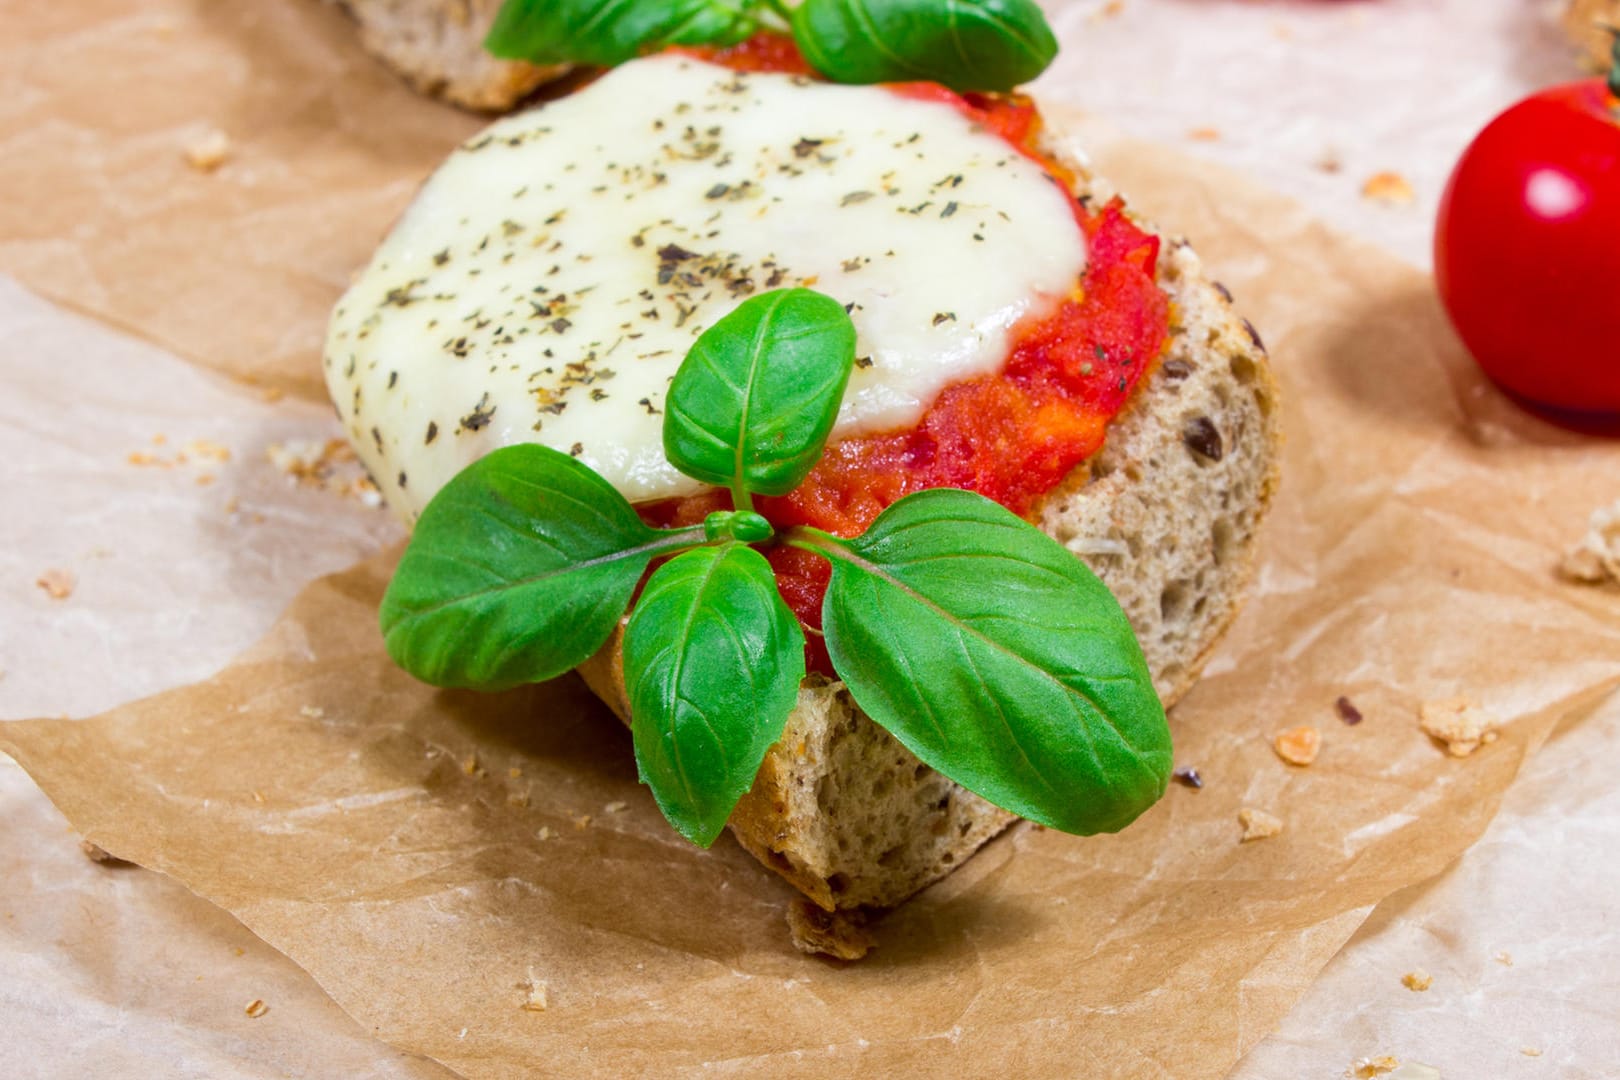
x=1166 y=514
x=438 y=47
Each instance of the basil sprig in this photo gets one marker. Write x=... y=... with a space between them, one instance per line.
x=964 y=44
x=982 y=644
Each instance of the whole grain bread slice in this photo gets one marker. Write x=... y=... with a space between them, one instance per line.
x=438 y=47
x=1166 y=514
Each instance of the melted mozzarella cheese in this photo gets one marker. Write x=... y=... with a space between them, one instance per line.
x=551 y=276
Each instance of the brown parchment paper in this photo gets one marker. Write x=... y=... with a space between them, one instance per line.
x=375 y=832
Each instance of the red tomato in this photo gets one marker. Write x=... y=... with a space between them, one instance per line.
x=1527 y=248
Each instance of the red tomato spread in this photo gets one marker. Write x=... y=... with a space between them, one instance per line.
x=1011 y=437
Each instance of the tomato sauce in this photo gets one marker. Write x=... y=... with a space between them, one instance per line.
x=1011 y=437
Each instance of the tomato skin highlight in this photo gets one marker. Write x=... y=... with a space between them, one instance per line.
x=1527 y=249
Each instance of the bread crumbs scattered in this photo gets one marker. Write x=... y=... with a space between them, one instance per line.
x=209 y=151
x=239 y=951
x=1257 y=824
x=470 y=765
x=58 y=584
x=1390 y=188
x=581 y=821
x=1596 y=559
x=1504 y=958
x=258 y=796
x=1418 y=980
x=544 y=833
x=313 y=712
x=1107 y=10
x=1365 y=1068
x=256 y=1008
x=1530 y=1051
x=1298 y=745
x=208 y=450
x=616 y=807
x=1204 y=134
x=536 y=995
x=329 y=466
x=1458 y=723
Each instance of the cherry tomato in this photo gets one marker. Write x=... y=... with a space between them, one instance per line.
x=1527 y=248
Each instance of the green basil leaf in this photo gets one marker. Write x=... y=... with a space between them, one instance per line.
x=755 y=399
x=608 y=32
x=996 y=657
x=965 y=44
x=712 y=664
x=518 y=570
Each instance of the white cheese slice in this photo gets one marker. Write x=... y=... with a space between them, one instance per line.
x=550 y=277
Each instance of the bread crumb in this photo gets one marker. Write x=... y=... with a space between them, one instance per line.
x=1390 y=188
x=1596 y=558
x=581 y=821
x=537 y=994
x=514 y=773
x=616 y=807
x=1530 y=1051
x=239 y=951
x=1108 y=10
x=1504 y=958
x=544 y=833
x=258 y=797
x=329 y=466
x=58 y=584
x=97 y=854
x=816 y=932
x=208 y=450
x=470 y=765
x=1257 y=824
x=256 y=1008
x=313 y=712
x=1298 y=745
x=1366 y=1068
x=1204 y=134
x=1417 y=980
x=209 y=151
x=1458 y=723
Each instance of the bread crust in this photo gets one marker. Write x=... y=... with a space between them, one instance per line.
x=438 y=47
x=1164 y=514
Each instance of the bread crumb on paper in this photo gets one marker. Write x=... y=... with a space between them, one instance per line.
x=1390 y=188
x=209 y=150
x=331 y=466
x=1460 y=725
x=1504 y=958
x=1417 y=980
x=470 y=766
x=1298 y=745
x=1204 y=134
x=97 y=854
x=312 y=712
x=544 y=833
x=616 y=807
x=58 y=584
x=1530 y=1051
x=256 y=1008
x=1257 y=824
x=1366 y=1068
x=537 y=993
x=581 y=821
x=1595 y=560
x=839 y=934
